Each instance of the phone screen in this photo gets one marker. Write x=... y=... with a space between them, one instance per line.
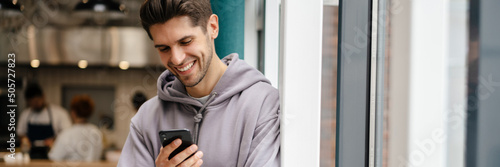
x=168 y=136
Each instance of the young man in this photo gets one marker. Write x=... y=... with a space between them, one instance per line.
x=231 y=108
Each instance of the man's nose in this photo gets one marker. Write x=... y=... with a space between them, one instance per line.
x=178 y=56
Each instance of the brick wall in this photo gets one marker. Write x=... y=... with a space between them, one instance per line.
x=329 y=86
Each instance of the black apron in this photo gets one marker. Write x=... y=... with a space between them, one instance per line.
x=40 y=132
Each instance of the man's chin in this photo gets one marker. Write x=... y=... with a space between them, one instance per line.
x=190 y=83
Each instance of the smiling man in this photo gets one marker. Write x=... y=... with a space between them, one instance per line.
x=231 y=108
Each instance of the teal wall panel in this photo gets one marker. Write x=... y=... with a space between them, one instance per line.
x=232 y=27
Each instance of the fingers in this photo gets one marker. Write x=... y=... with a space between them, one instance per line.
x=183 y=155
x=195 y=160
x=198 y=163
x=166 y=151
x=172 y=146
x=181 y=159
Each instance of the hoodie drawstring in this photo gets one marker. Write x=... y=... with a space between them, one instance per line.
x=199 y=117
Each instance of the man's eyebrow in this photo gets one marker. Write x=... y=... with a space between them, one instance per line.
x=159 y=46
x=184 y=38
x=178 y=41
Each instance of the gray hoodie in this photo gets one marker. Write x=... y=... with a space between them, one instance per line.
x=239 y=125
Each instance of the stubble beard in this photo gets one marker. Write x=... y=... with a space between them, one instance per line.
x=205 y=68
x=38 y=109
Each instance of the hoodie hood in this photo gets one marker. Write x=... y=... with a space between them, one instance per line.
x=237 y=77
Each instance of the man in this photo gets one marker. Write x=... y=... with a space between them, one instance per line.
x=138 y=99
x=81 y=142
x=40 y=123
x=231 y=108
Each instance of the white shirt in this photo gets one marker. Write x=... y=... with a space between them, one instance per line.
x=60 y=119
x=202 y=100
x=81 y=142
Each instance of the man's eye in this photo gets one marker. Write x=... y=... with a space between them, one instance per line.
x=165 y=49
x=186 y=42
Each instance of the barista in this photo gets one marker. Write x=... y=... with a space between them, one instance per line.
x=40 y=123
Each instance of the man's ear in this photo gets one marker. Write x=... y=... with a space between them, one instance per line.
x=213 y=26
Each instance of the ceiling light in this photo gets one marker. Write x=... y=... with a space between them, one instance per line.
x=82 y=64
x=10 y=8
x=35 y=63
x=100 y=8
x=124 y=65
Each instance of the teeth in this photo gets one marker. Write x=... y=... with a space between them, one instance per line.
x=186 y=68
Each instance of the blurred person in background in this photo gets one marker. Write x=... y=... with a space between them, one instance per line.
x=138 y=99
x=83 y=141
x=40 y=123
x=230 y=107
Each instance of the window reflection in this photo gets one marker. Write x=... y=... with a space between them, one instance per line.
x=329 y=85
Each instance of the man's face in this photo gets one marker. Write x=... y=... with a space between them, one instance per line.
x=186 y=51
x=36 y=103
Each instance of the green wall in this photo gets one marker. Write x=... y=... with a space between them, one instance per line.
x=232 y=27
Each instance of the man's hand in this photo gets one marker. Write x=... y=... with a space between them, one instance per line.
x=49 y=142
x=25 y=141
x=179 y=159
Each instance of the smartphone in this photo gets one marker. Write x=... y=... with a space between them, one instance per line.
x=168 y=136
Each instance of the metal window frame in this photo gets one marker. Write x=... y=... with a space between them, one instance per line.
x=360 y=85
x=353 y=83
x=482 y=141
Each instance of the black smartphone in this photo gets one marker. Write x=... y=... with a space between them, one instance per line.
x=168 y=136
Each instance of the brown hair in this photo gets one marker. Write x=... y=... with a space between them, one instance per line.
x=160 y=11
x=82 y=105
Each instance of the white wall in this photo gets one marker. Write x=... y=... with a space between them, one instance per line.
x=271 y=40
x=300 y=82
x=418 y=91
x=251 y=42
x=457 y=73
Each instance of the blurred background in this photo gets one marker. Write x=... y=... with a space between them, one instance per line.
x=74 y=47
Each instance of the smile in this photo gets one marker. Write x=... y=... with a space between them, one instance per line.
x=186 y=67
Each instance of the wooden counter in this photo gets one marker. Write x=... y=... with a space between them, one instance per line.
x=48 y=163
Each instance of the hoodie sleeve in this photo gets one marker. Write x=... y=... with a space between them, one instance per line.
x=265 y=146
x=135 y=152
